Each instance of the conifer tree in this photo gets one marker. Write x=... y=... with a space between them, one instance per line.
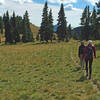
x=27 y=34
x=44 y=28
x=50 y=25
x=69 y=29
x=98 y=20
x=85 y=22
x=1 y=27
x=16 y=37
x=62 y=24
x=94 y=32
x=8 y=27
x=19 y=25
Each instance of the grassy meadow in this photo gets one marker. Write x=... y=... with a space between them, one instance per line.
x=34 y=71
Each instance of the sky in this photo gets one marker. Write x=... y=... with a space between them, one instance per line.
x=73 y=9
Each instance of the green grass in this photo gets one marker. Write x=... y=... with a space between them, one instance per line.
x=44 y=72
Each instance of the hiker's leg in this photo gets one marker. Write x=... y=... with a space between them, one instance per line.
x=83 y=63
x=90 y=67
x=86 y=67
x=80 y=60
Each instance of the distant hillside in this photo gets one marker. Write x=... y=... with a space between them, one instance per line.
x=76 y=32
x=34 y=29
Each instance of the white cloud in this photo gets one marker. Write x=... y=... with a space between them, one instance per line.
x=35 y=12
x=2 y=2
x=63 y=1
x=92 y=1
x=23 y=1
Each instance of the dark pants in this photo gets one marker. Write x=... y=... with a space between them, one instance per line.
x=90 y=60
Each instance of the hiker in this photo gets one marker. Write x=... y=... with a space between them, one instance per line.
x=89 y=52
x=80 y=54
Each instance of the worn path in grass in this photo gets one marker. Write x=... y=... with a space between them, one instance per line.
x=42 y=72
x=84 y=71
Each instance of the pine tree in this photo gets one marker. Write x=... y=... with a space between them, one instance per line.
x=85 y=22
x=27 y=34
x=44 y=28
x=1 y=27
x=62 y=24
x=69 y=29
x=8 y=27
x=98 y=20
x=50 y=25
x=94 y=31
x=19 y=25
x=16 y=36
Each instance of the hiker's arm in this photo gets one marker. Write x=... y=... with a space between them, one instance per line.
x=94 y=52
x=79 y=52
x=84 y=54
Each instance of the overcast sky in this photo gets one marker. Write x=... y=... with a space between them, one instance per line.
x=73 y=9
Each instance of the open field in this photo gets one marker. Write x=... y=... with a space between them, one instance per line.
x=45 y=72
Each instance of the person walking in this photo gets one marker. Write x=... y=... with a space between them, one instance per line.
x=80 y=54
x=89 y=54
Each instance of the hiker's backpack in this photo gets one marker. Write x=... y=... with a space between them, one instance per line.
x=82 y=49
x=89 y=53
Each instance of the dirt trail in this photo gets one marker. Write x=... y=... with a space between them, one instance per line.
x=77 y=64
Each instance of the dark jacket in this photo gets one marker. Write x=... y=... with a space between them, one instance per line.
x=81 y=50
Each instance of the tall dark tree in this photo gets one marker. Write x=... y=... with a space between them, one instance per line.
x=44 y=28
x=16 y=36
x=98 y=19
x=8 y=29
x=94 y=31
x=50 y=25
x=62 y=24
x=69 y=30
x=1 y=27
x=85 y=22
x=27 y=34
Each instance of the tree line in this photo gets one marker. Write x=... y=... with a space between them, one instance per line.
x=17 y=28
x=14 y=27
x=90 y=22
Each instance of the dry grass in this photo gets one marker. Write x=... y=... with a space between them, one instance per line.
x=42 y=72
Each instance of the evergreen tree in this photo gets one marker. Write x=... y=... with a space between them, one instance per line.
x=8 y=27
x=27 y=34
x=69 y=29
x=62 y=24
x=16 y=37
x=98 y=20
x=44 y=28
x=50 y=25
x=94 y=32
x=85 y=22
x=19 y=25
x=1 y=27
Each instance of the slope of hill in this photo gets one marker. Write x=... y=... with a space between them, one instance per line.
x=76 y=32
x=34 y=29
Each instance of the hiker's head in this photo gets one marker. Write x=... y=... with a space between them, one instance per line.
x=82 y=42
x=90 y=42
